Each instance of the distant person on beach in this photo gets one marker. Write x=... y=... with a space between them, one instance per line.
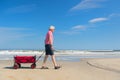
x=49 y=50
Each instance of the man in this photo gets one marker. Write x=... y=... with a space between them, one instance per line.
x=49 y=49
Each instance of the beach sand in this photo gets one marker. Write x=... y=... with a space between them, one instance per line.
x=85 y=69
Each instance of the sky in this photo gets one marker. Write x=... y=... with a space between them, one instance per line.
x=79 y=24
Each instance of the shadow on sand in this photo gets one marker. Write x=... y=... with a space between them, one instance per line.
x=18 y=68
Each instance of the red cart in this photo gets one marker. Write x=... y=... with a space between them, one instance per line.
x=24 y=59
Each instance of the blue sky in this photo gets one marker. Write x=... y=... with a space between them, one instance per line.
x=80 y=24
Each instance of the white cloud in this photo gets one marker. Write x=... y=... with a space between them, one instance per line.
x=87 y=4
x=10 y=34
x=98 y=20
x=11 y=29
x=114 y=15
x=79 y=27
x=70 y=32
x=21 y=9
x=74 y=30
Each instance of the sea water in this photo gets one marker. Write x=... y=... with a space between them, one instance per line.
x=61 y=55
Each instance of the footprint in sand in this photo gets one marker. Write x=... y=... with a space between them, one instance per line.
x=11 y=77
x=29 y=79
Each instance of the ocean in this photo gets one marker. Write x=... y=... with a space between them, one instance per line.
x=61 y=55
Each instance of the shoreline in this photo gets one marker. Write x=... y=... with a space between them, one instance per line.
x=110 y=64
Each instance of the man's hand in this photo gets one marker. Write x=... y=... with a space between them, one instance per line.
x=52 y=47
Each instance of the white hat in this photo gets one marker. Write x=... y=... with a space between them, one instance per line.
x=51 y=27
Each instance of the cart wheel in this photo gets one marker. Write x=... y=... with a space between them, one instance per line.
x=33 y=66
x=16 y=66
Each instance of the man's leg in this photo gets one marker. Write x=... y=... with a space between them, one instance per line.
x=45 y=59
x=54 y=60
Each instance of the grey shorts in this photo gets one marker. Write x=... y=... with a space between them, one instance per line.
x=48 y=50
